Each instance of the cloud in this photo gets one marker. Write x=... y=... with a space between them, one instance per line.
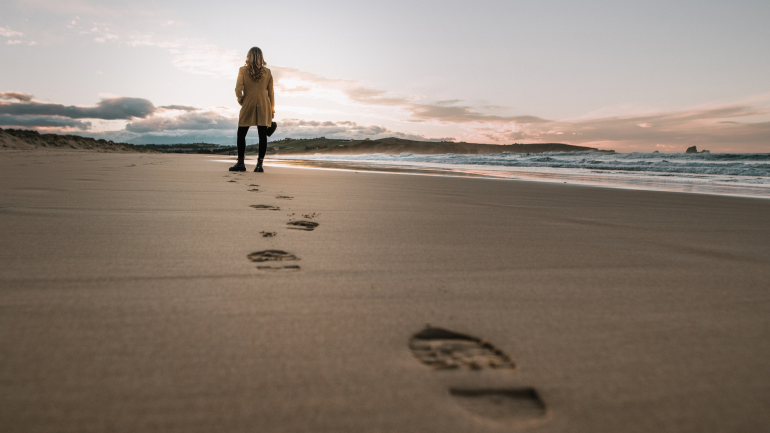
x=178 y=107
x=314 y=128
x=448 y=102
x=143 y=115
x=43 y=122
x=107 y=109
x=105 y=37
x=731 y=127
x=8 y=33
x=351 y=92
x=190 y=121
x=25 y=97
x=715 y=127
x=300 y=128
x=220 y=62
x=447 y=114
x=101 y=31
x=706 y=127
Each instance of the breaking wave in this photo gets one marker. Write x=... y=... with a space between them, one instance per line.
x=722 y=164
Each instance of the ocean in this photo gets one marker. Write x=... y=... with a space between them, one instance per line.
x=737 y=174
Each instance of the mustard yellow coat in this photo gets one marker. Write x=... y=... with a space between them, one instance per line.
x=256 y=98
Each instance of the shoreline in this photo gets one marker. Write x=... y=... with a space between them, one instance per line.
x=449 y=170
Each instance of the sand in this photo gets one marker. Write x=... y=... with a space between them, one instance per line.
x=129 y=302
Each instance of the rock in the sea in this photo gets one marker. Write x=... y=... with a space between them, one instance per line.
x=694 y=149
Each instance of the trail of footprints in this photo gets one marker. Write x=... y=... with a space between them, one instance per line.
x=442 y=349
x=437 y=348
x=266 y=259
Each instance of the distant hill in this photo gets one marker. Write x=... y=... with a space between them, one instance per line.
x=25 y=139
x=396 y=146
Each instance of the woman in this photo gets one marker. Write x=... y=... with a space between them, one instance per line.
x=254 y=90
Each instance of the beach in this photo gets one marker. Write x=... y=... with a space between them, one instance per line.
x=132 y=300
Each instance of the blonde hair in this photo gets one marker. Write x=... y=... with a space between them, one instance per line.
x=255 y=62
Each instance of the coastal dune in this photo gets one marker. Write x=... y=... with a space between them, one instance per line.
x=157 y=292
x=24 y=139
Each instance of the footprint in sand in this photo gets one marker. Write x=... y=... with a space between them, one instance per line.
x=232 y=180
x=267 y=234
x=443 y=349
x=254 y=190
x=302 y=225
x=273 y=256
x=279 y=268
x=264 y=207
x=285 y=197
x=519 y=407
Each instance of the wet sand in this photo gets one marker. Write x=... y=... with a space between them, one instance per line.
x=137 y=295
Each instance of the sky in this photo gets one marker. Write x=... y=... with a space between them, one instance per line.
x=622 y=75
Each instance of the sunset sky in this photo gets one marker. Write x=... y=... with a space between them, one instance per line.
x=629 y=76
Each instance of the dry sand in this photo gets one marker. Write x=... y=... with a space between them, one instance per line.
x=129 y=303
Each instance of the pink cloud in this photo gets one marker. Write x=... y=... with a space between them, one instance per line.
x=719 y=128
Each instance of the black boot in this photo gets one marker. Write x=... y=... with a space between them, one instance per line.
x=258 y=168
x=239 y=166
x=271 y=128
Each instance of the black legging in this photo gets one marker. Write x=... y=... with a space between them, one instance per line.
x=262 y=131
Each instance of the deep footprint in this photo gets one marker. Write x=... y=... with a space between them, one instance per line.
x=264 y=207
x=303 y=225
x=443 y=349
x=271 y=255
x=514 y=406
